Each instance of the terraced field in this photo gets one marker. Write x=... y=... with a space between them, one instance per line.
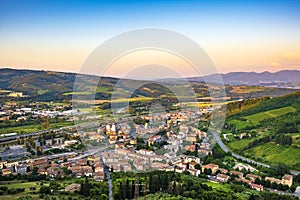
x=274 y=153
x=256 y=118
x=270 y=114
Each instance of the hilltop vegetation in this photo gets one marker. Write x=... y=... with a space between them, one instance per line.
x=266 y=129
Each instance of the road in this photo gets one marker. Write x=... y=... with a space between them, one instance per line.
x=283 y=193
x=225 y=148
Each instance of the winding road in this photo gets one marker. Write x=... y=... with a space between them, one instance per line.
x=225 y=148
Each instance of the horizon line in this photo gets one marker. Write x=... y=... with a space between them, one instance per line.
x=141 y=78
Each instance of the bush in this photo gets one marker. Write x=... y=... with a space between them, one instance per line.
x=45 y=190
x=3 y=188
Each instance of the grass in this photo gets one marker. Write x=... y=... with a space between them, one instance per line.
x=274 y=153
x=103 y=89
x=270 y=114
x=219 y=186
x=19 y=184
x=239 y=124
x=78 y=93
x=256 y=118
x=240 y=144
x=34 y=127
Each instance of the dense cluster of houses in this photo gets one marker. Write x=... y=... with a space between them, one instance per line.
x=90 y=166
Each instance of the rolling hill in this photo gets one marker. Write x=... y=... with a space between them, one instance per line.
x=283 y=79
x=49 y=85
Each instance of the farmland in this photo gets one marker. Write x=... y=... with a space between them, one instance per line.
x=252 y=120
x=269 y=114
x=273 y=153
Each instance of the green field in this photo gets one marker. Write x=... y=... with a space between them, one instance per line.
x=34 y=127
x=240 y=144
x=274 y=153
x=270 y=114
x=78 y=93
x=239 y=124
x=219 y=186
x=254 y=119
x=19 y=184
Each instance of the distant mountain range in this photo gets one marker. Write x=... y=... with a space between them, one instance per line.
x=45 y=85
x=283 y=79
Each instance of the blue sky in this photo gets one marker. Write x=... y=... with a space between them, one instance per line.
x=245 y=35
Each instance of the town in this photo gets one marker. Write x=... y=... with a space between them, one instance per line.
x=148 y=143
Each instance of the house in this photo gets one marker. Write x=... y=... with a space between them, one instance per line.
x=74 y=187
x=287 y=179
x=190 y=158
x=41 y=163
x=6 y=172
x=155 y=138
x=191 y=138
x=243 y=180
x=126 y=167
x=202 y=134
x=80 y=171
x=3 y=163
x=99 y=176
x=158 y=165
x=99 y=168
x=119 y=145
x=146 y=152
x=252 y=177
x=179 y=169
x=257 y=187
x=194 y=172
x=183 y=165
x=222 y=178
x=169 y=169
x=133 y=141
x=273 y=180
x=66 y=164
x=12 y=164
x=204 y=151
x=241 y=166
x=81 y=162
x=70 y=142
x=21 y=169
x=190 y=148
x=223 y=171
x=214 y=168
x=16 y=94
x=112 y=140
x=239 y=174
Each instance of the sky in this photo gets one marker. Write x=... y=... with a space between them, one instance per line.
x=237 y=35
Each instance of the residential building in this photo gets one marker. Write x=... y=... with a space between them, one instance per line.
x=222 y=178
x=214 y=168
x=287 y=179
x=257 y=187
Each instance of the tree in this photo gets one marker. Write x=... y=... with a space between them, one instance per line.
x=103 y=197
x=207 y=171
x=293 y=188
x=45 y=190
x=45 y=123
x=197 y=166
